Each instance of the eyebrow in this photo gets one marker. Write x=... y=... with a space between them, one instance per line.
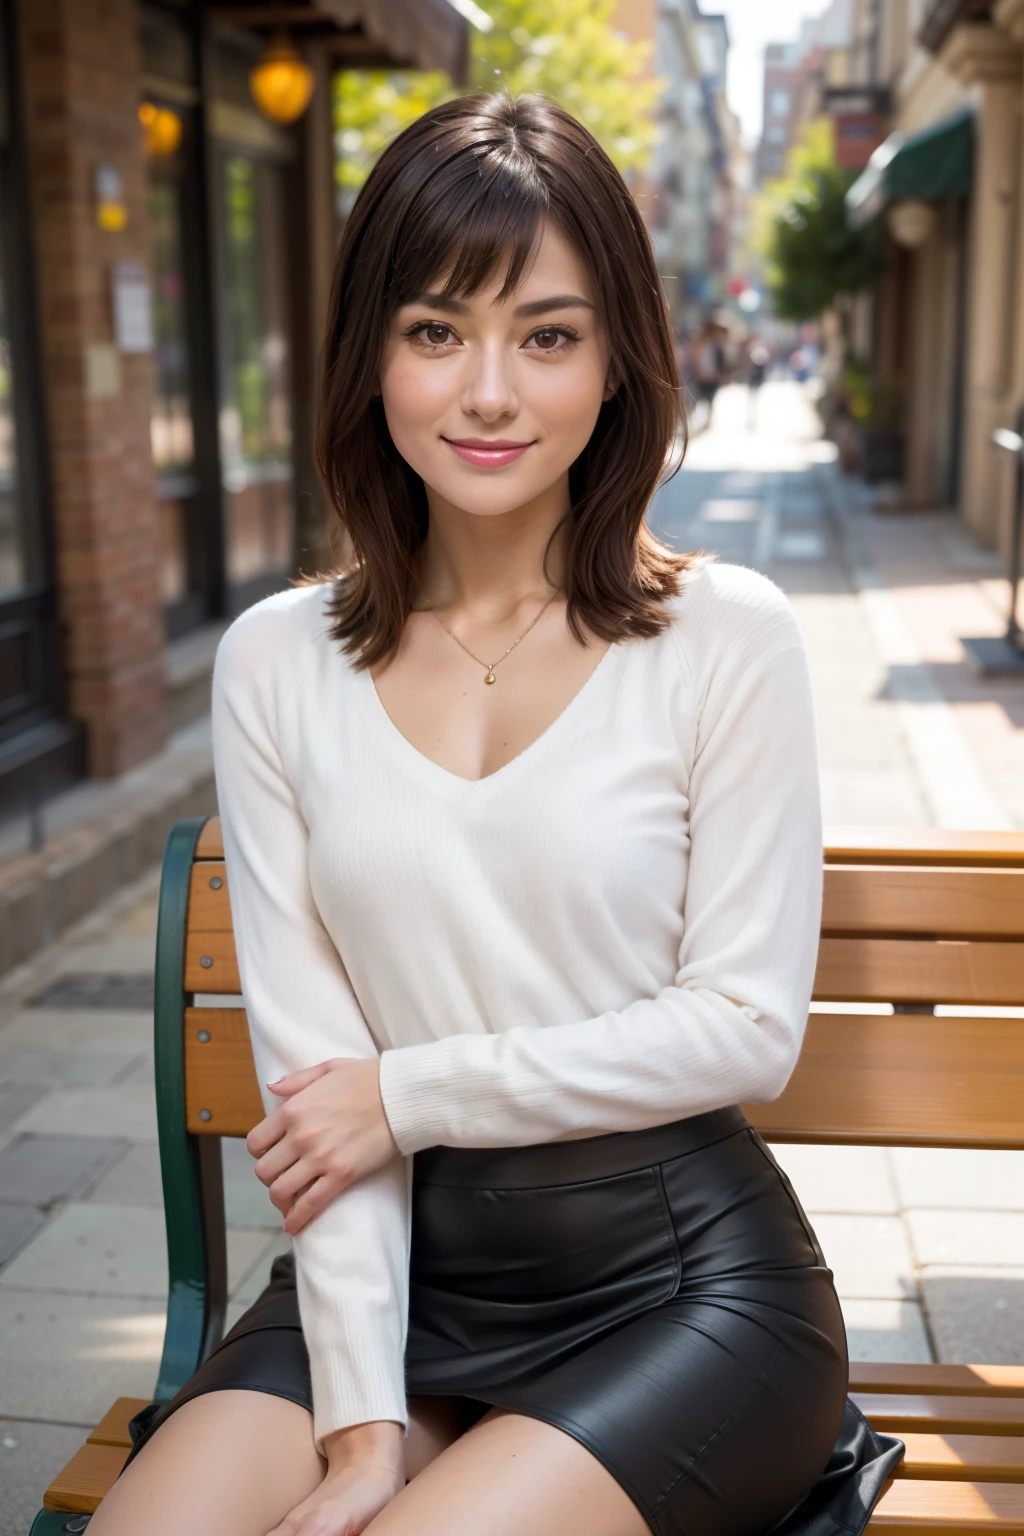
x=523 y=311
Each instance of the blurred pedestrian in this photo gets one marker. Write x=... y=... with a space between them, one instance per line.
x=758 y=361
x=709 y=365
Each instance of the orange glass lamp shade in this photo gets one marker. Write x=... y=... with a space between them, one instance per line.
x=281 y=81
x=161 y=130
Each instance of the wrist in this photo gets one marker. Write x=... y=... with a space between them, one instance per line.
x=380 y=1443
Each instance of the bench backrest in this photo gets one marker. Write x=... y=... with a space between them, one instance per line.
x=912 y=921
x=930 y=918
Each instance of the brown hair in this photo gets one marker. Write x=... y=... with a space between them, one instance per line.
x=466 y=187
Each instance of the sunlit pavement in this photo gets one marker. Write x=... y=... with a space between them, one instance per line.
x=909 y=735
x=927 y=1247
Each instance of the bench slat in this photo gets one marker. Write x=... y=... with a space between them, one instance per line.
x=919 y=971
x=938 y=1380
x=208 y=905
x=951 y=903
x=211 y=840
x=902 y=1080
x=895 y=1412
x=219 y=1073
x=912 y=1508
x=922 y=845
x=217 y=948
x=86 y=1479
x=112 y=1429
x=968 y=1458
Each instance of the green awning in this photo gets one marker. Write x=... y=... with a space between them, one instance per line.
x=937 y=162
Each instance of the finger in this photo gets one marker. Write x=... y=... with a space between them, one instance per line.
x=277 y=1161
x=294 y=1082
x=316 y=1198
x=284 y=1191
x=263 y=1136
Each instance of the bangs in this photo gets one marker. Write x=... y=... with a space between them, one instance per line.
x=478 y=215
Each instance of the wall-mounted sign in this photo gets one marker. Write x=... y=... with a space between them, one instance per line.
x=133 y=307
x=111 y=209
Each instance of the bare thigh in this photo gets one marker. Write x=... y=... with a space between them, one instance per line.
x=234 y=1463
x=510 y=1474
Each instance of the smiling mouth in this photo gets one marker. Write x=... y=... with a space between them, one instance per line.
x=486 y=454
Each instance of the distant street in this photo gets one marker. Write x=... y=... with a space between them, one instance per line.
x=909 y=735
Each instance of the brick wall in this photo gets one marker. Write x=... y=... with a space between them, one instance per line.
x=81 y=72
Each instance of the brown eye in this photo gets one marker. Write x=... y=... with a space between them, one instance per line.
x=438 y=334
x=547 y=339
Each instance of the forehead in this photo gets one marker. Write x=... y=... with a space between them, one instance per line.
x=554 y=267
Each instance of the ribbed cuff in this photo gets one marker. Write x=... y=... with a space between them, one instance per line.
x=415 y=1087
x=354 y=1389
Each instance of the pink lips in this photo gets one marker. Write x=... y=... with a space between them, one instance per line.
x=486 y=453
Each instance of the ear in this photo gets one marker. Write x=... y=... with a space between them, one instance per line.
x=611 y=384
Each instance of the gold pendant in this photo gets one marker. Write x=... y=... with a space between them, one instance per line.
x=489 y=677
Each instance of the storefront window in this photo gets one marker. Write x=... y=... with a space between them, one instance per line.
x=255 y=414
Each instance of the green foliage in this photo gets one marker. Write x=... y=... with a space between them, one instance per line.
x=565 y=49
x=813 y=255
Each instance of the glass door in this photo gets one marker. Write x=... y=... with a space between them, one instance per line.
x=255 y=414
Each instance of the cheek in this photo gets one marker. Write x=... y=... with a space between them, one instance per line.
x=566 y=397
x=413 y=398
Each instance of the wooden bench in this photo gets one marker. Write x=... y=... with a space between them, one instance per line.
x=913 y=919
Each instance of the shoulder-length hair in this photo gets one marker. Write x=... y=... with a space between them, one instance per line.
x=466 y=188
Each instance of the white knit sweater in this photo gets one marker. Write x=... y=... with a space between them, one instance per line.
x=615 y=930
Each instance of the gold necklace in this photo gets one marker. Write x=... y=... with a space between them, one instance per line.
x=489 y=666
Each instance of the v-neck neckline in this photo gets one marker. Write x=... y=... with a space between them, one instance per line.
x=426 y=765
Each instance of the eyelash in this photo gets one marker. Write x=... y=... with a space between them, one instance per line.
x=570 y=336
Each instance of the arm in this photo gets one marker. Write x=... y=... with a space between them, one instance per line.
x=352 y=1260
x=729 y=1028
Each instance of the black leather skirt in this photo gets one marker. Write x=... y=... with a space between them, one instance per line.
x=659 y=1295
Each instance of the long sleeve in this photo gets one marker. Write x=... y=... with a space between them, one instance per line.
x=729 y=1028
x=351 y=1260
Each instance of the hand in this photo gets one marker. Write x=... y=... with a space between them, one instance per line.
x=344 y=1504
x=365 y=1470
x=330 y=1132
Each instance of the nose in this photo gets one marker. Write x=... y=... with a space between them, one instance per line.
x=489 y=390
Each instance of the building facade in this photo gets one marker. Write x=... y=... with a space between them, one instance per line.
x=165 y=259
x=948 y=314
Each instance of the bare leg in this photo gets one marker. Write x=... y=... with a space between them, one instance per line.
x=507 y=1475
x=235 y=1463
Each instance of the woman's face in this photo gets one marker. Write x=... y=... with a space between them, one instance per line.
x=490 y=403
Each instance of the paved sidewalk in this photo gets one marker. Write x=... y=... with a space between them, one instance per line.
x=928 y=1247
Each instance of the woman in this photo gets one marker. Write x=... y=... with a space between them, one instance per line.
x=522 y=833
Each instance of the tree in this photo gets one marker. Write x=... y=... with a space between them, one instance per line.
x=566 y=49
x=814 y=257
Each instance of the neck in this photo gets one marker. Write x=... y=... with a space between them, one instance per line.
x=492 y=564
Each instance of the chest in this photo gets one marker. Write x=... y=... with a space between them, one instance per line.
x=590 y=816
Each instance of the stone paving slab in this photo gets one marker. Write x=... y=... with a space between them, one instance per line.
x=967 y=1237
x=31 y=1455
x=976 y=1314
x=106 y=1250
x=869 y=1255
x=23 y=1064
x=979 y=1180
x=128 y=1112
x=837 y=1179
x=134 y=1179
x=18 y=1225
x=66 y=1357
x=40 y=1170
x=886 y=1330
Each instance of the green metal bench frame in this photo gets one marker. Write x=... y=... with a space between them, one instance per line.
x=190 y=1166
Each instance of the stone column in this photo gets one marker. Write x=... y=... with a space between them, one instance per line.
x=987 y=59
x=82 y=84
